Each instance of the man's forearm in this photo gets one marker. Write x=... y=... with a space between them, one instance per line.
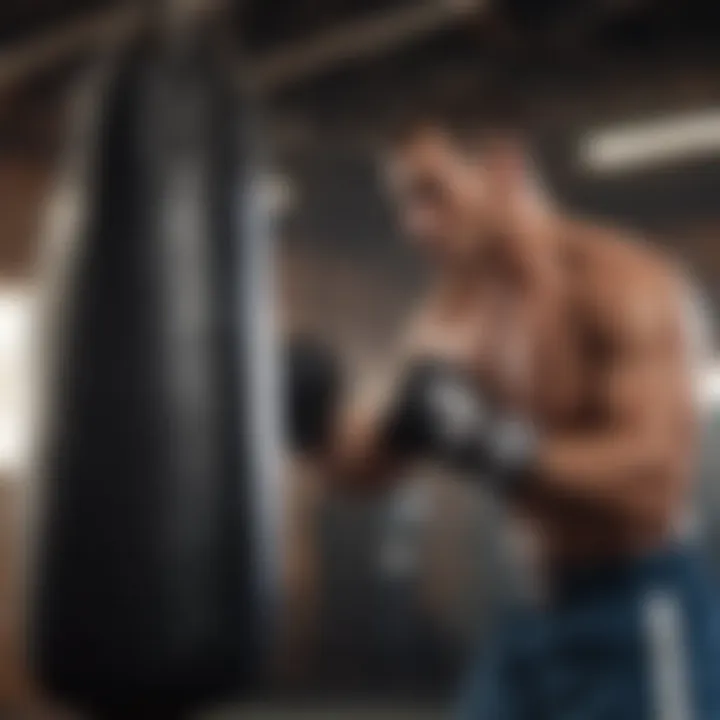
x=620 y=472
x=357 y=465
x=359 y=458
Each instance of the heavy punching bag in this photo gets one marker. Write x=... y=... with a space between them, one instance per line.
x=155 y=535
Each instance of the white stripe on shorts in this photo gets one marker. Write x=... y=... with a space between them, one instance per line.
x=667 y=657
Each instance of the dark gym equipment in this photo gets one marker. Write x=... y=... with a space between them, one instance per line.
x=154 y=579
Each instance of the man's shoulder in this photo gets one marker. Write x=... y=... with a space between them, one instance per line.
x=628 y=284
x=609 y=252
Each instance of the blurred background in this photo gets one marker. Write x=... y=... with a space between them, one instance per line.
x=384 y=597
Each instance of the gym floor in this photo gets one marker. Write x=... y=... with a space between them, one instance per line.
x=326 y=713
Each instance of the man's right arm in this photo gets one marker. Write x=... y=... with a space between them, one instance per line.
x=344 y=426
x=426 y=408
x=359 y=458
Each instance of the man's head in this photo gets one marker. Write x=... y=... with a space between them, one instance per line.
x=457 y=176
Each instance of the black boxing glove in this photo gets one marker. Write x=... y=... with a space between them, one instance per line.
x=313 y=386
x=439 y=413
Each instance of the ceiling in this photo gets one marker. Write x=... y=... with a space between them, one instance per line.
x=587 y=61
x=642 y=24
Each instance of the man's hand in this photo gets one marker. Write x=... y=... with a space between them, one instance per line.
x=314 y=384
x=441 y=414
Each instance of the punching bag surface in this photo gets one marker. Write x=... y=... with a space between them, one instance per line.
x=149 y=542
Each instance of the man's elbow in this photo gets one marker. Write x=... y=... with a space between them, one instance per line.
x=356 y=473
x=651 y=503
x=650 y=453
x=652 y=491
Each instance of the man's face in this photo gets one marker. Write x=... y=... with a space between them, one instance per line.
x=442 y=194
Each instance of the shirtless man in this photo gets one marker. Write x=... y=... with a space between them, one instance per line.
x=551 y=362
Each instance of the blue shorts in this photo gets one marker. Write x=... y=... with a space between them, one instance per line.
x=637 y=640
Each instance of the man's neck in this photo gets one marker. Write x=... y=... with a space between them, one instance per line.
x=519 y=254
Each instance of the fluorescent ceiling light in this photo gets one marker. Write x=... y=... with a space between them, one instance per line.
x=15 y=317
x=641 y=145
x=709 y=389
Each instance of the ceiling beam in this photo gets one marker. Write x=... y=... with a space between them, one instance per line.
x=358 y=40
x=25 y=61
x=352 y=42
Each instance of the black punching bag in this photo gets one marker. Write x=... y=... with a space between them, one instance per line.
x=155 y=535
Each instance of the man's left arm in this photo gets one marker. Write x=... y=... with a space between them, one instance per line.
x=632 y=462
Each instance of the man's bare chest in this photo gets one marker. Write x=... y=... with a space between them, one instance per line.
x=542 y=363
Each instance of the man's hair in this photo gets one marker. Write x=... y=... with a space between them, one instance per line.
x=468 y=116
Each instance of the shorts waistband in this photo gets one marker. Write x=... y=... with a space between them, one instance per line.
x=665 y=566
